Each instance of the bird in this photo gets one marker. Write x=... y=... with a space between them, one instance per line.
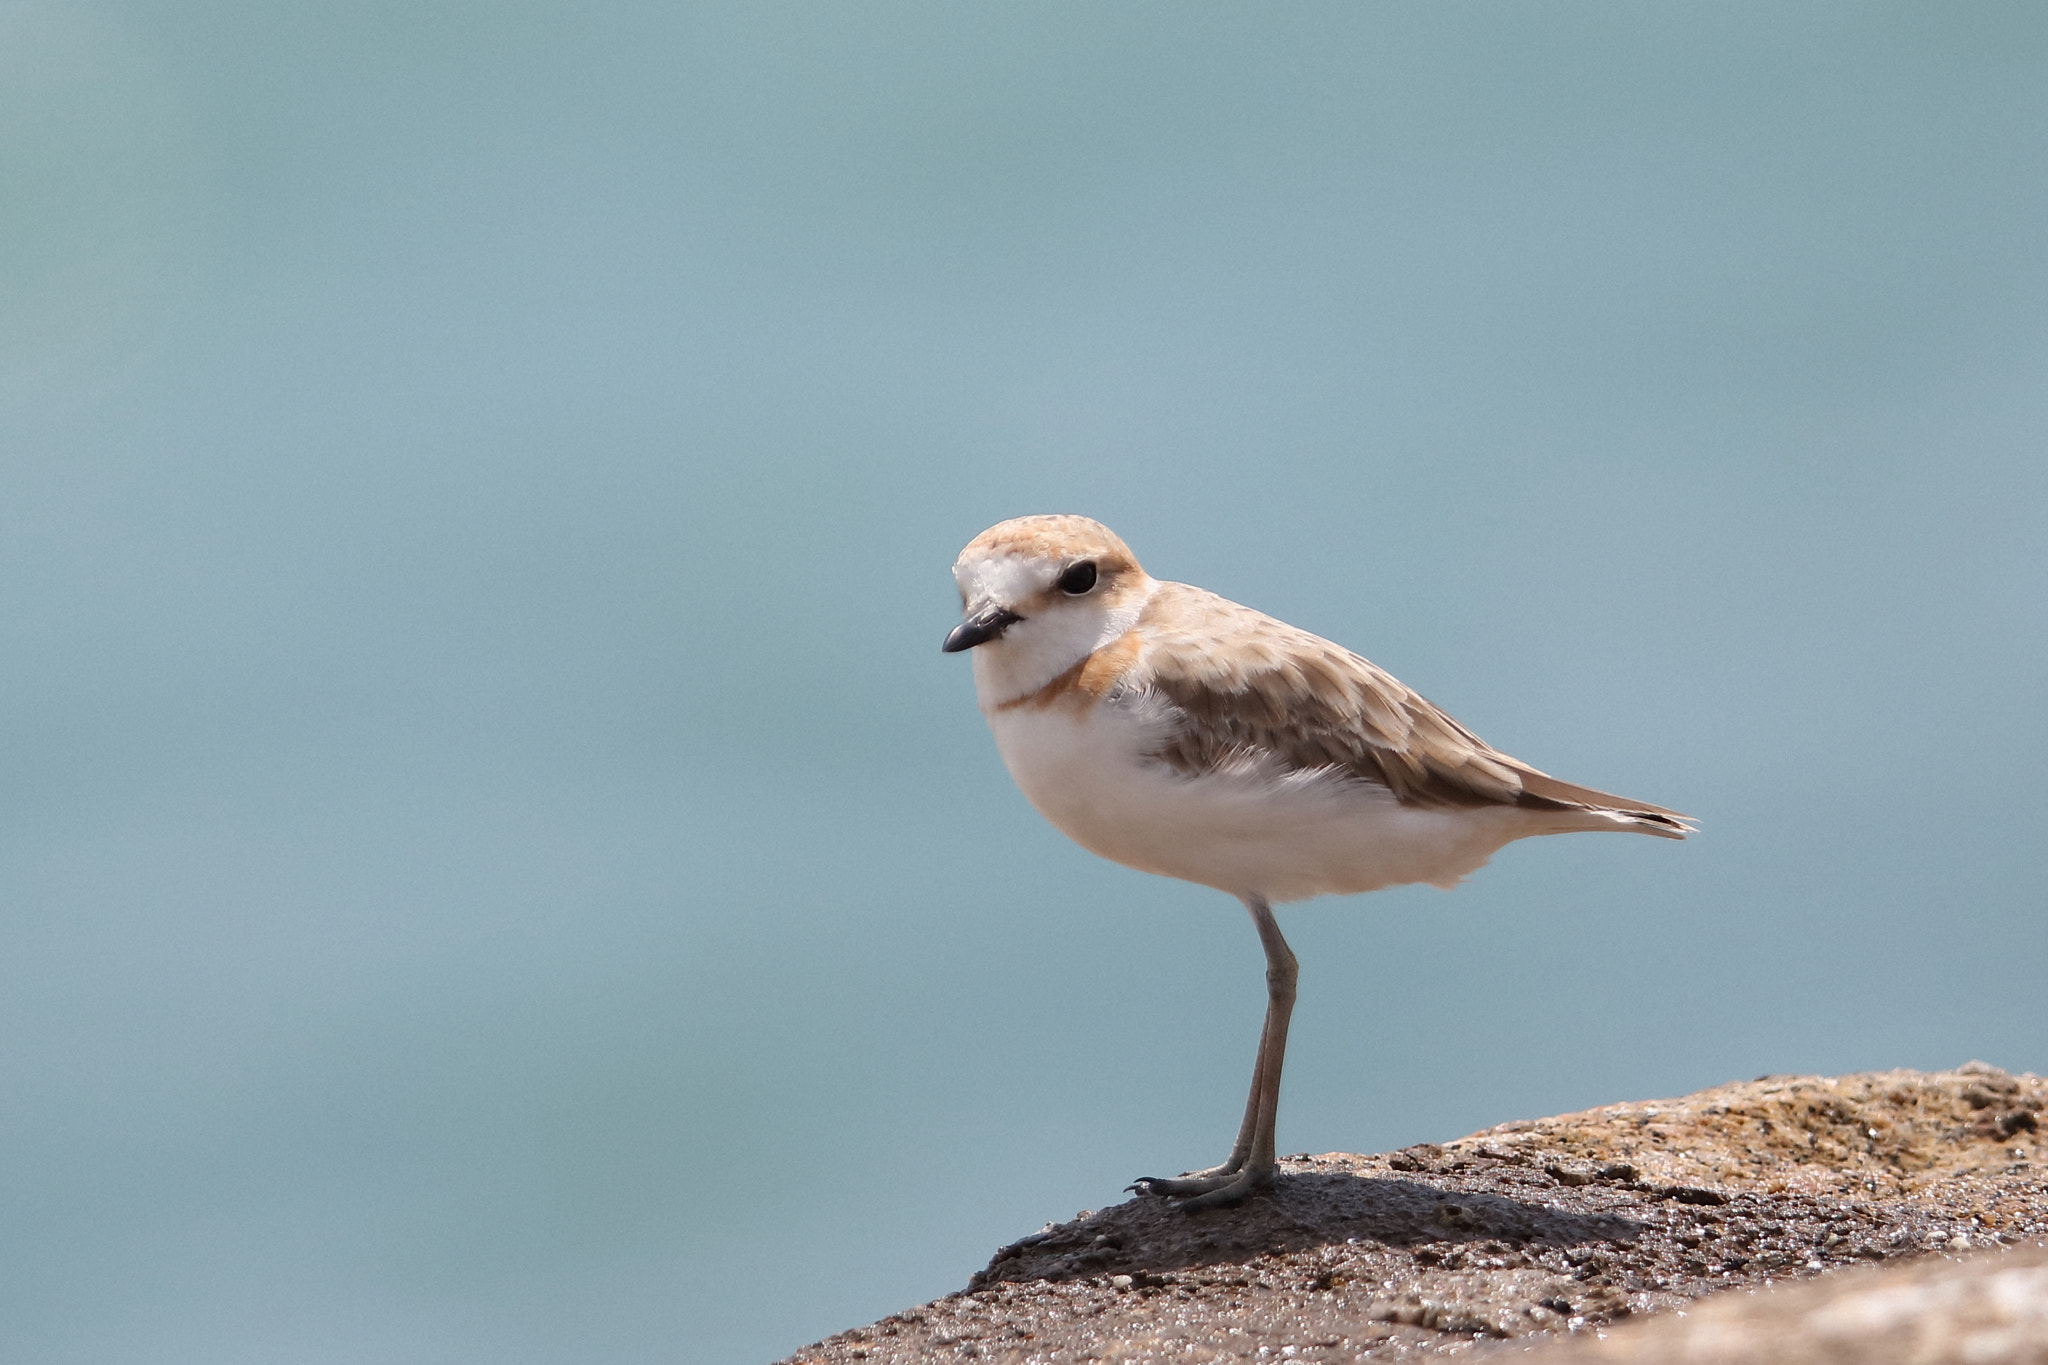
x=1174 y=731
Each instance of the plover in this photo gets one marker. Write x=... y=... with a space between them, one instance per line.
x=1173 y=731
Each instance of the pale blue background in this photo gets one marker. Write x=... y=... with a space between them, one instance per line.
x=495 y=866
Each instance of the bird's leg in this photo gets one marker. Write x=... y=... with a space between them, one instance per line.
x=1198 y=1182
x=1252 y=1164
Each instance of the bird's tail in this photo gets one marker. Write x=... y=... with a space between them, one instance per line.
x=1602 y=810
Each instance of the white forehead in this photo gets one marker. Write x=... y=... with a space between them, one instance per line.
x=1003 y=578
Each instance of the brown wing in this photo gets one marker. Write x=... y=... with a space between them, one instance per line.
x=1279 y=694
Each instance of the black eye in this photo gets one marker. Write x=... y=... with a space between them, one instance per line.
x=1078 y=579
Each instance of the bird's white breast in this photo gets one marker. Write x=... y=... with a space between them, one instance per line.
x=1285 y=836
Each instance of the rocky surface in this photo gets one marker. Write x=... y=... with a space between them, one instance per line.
x=1548 y=1228
x=1987 y=1308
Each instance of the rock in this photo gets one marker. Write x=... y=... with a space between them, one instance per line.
x=1989 y=1309
x=1559 y=1227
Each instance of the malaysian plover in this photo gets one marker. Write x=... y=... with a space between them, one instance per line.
x=1173 y=731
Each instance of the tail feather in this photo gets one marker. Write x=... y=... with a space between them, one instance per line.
x=1544 y=792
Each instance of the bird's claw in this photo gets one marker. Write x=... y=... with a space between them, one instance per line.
x=1213 y=1189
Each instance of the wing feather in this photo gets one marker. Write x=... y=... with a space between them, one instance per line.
x=1250 y=689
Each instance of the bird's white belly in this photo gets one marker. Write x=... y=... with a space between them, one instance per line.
x=1282 y=837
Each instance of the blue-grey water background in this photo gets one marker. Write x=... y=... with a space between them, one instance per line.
x=495 y=867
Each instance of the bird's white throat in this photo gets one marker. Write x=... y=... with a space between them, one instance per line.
x=1048 y=642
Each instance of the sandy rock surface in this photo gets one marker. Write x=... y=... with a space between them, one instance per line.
x=1555 y=1227
x=1988 y=1308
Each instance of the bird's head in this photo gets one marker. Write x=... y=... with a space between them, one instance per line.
x=1040 y=594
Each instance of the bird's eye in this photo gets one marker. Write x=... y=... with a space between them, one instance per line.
x=1078 y=579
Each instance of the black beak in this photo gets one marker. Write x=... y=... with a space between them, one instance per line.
x=987 y=624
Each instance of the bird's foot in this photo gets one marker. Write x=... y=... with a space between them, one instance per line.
x=1218 y=1187
x=1177 y=1187
x=1189 y=1182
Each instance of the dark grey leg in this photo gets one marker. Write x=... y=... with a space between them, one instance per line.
x=1252 y=1163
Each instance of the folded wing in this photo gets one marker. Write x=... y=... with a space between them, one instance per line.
x=1280 y=696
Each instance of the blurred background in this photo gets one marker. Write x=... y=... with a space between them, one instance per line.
x=495 y=867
